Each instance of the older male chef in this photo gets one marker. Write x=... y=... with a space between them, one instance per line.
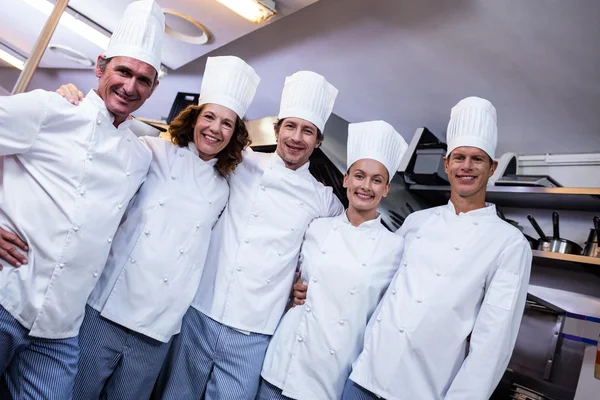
x=253 y=255
x=464 y=272
x=67 y=176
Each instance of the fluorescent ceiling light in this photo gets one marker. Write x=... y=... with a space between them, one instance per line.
x=74 y=24
x=11 y=57
x=257 y=11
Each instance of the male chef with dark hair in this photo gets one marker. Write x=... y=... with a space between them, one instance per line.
x=67 y=176
x=464 y=273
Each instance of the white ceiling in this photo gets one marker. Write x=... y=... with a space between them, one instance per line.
x=408 y=62
x=20 y=25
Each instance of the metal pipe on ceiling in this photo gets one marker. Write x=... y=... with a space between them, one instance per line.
x=40 y=47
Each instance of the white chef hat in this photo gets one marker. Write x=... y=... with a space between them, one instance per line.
x=378 y=141
x=229 y=82
x=139 y=34
x=473 y=123
x=309 y=96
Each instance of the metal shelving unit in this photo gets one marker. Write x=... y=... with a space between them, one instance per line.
x=578 y=199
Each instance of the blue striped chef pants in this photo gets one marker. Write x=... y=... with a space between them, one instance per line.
x=35 y=368
x=268 y=391
x=352 y=391
x=116 y=362
x=212 y=360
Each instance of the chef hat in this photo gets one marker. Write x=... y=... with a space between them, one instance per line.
x=309 y=96
x=229 y=82
x=139 y=34
x=473 y=123
x=378 y=141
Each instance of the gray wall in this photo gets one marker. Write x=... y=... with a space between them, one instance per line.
x=409 y=62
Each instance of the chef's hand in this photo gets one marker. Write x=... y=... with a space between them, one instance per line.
x=70 y=93
x=8 y=251
x=300 y=290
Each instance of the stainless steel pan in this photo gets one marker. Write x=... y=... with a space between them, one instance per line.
x=554 y=244
x=561 y=245
x=591 y=245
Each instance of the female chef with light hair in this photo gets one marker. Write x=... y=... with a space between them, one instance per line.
x=158 y=253
x=349 y=261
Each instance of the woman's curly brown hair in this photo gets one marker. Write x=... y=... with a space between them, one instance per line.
x=182 y=133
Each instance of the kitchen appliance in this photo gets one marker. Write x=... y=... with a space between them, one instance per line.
x=507 y=165
x=554 y=244
x=591 y=245
x=425 y=159
x=429 y=165
x=523 y=393
x=527 y=180
x=182 y=100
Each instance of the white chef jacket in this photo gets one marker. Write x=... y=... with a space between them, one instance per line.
x=254 y=248
x=158 y=252
x=67 y=176
x=347 y=269
x=460 y=274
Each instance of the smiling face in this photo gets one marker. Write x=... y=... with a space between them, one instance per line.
x=469 y=169
x=296 y=140
x=124 y=84
x=213 y=130
x=366 y=183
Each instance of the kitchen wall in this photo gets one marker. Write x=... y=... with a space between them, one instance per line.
x=408 y=62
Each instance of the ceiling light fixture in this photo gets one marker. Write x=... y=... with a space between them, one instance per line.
x=74 y=23
x=12 y=57
x=71 y=54
x=257 y=11
x=175 y=18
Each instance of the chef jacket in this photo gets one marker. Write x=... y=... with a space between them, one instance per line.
x=347 y=269
x=460 y=275
x=254 y=248
x=67 y=177
x=158 y=252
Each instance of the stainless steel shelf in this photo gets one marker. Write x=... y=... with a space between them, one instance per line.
x=579 y=199
x=567 y=258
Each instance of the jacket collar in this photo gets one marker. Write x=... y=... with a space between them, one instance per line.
x=486 y=212
x=342 y=219
x=278 y=163
x=99 y=105
x=194 y=150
